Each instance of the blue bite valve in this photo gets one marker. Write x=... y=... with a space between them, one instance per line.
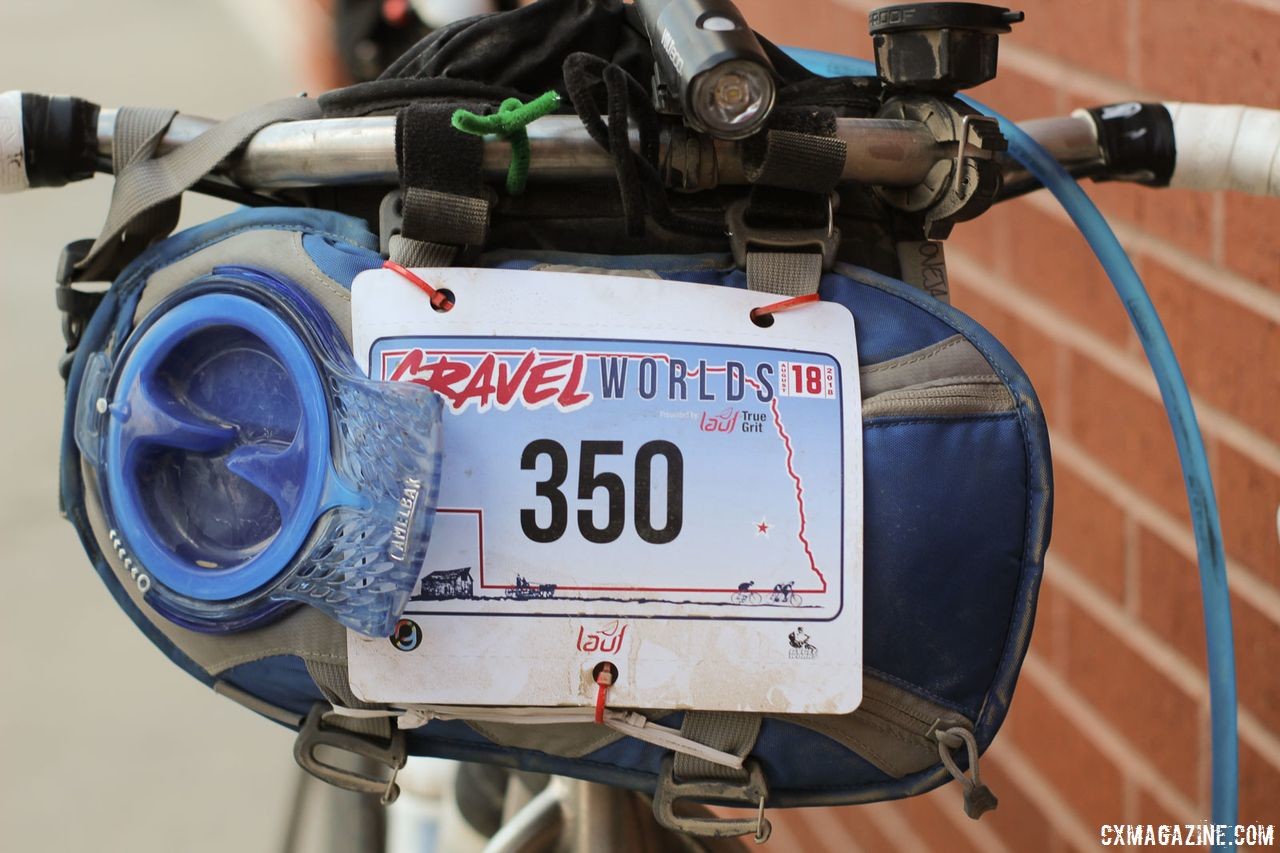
x=246 y=464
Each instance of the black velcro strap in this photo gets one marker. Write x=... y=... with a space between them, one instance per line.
x=430 y=153
x=445 y=200
x=799 y=161
x=793 y=168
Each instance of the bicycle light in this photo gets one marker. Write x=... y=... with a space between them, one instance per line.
x=709 y=66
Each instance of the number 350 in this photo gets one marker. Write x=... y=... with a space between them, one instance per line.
x=589 y=481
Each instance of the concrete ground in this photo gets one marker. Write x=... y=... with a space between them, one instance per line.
x=104 y=744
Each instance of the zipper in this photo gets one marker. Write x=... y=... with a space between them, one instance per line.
x=959 y=397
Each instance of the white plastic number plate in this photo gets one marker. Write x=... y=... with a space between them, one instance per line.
x=636 y=473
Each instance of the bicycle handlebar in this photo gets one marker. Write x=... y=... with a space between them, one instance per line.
x=338 y=151
x=1221 y=147
x=1227 y=147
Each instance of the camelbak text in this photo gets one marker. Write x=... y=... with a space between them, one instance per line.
x=398 y=550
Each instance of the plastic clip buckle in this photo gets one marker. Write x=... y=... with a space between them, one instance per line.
x=316 y=734
x=753 y=792
x=744 y=238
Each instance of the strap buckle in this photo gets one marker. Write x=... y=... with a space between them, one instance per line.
x=744 y=238
x=753 y=792
x=315 y=733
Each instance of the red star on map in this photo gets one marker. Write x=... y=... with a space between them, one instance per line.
x=762 y=528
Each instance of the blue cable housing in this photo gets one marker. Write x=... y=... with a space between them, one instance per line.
x=1177 y=402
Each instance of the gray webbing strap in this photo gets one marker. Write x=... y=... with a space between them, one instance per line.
x=420 y=253
x=784 y=273
x=444 y=217
x=137 y=134
x=333 y=681
x=145 y=184
x=436 y=225
x=800 y=161
x=791 y=166
x=730 y=732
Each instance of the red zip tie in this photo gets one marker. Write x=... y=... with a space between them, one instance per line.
x=784 y=305
x=604 y=680
x=439 y=300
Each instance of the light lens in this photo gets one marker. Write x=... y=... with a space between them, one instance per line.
x=733 y=99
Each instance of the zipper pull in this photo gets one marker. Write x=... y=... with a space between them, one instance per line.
x=978 y=799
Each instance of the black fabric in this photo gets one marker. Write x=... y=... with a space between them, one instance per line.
x=431 y=154
x=389 y=95
x=596 y=86
x=524 y=49
x=521 y=52
x=847 y=97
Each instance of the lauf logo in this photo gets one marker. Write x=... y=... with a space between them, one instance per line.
x=606 y=640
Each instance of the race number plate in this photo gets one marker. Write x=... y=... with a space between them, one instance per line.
x=635 y=472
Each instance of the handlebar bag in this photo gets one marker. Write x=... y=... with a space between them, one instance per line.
x=958 y=496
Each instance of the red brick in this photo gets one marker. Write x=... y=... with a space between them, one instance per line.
x=983 y=239
x=1052 y=261
x=1169 y=596
x=1089 y=531
x=1049 y=637
x=1127 y=431
x=1085 y=779
x=1150 y=811
x=1217 y=51
x=792 y=832
x=1089 y=34
x=1249 y=242
x=925 y=815
x=1257 y=640
x=1248 y=496
x=1183 y=218
x=816 y=24
x=1018 y=821
x=1229 y=354
x=1149 y=710
x=858 y=823
x=1259 y=782
x=1037 y=355
x=1018 y=96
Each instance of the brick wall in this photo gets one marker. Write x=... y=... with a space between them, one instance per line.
x=1110 y=719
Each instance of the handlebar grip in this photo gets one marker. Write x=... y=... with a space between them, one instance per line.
x=13 y=158
x=1226 y=147
x=46 y=141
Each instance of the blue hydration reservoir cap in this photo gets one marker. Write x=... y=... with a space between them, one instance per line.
x=245 y=463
